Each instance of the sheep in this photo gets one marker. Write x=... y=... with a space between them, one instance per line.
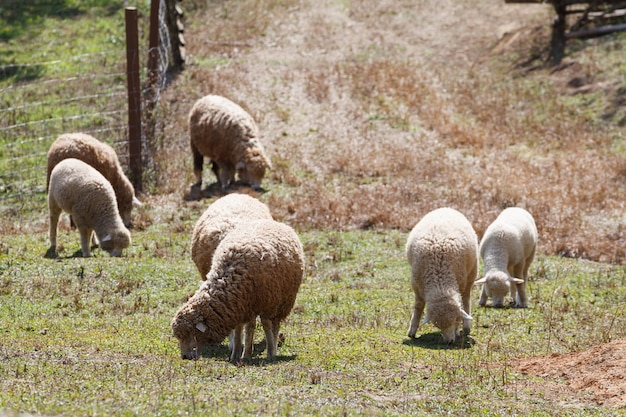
x=80 y=190
x=257 y=270
x=507 y=249
x=442 y=250
x=226 y=134
x=103 y=158
x=213 y=225
x=219 y=219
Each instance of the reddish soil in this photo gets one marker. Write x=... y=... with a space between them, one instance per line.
x=596 y=375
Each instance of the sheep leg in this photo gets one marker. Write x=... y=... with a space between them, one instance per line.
x=226 y=175
x=278 y=336
x=269 y=338
x=55 y=212
x=235 y=344
x=418 y=310
x=249 y=341
x=467 y=300
x=513 y=290
x=198 y=161
x=85 y=241
x=520 y=298
x=216 y=169
x=484 y=296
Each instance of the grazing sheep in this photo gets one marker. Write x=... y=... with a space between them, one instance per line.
x=80 y=190
x=219 y=219
x=226 y=134
x=256 y=271
x=507 y=249
x=103 y=158
x=442 y=249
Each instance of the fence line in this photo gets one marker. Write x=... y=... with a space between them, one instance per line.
x=85 y=93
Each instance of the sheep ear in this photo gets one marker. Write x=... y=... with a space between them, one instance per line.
x=516 y=280
x=480 y=281
x=426 y=320
x=107 y=238
x=136 y=202
x=201 y=326
x=465 y=316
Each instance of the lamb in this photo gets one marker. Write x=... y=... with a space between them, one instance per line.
x=257 y=270
x=507 y=249
x=442 y=250
x=219 y=219
x=226 y=134
x=103 y=158
x=80 y=190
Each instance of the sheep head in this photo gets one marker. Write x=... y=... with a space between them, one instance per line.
x=498 y=285
x=115 y=242
x=446 y=314
x=251 y=169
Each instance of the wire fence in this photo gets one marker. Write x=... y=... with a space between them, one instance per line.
x=85 y=93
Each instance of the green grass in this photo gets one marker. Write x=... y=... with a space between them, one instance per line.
x=62 y=69
x=91 y=336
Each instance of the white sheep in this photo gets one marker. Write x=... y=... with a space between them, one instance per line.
x=257 y=270
x=507 y=249
x=226 y=134
x=219 y=219
x=103 y=158
x=442 y=250
x=84 y=193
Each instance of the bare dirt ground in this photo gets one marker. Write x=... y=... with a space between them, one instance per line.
x=294 y=77
x=595 y=375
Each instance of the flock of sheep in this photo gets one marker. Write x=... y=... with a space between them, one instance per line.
x=251 y=265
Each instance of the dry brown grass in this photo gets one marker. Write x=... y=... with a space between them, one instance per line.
x=371 y=120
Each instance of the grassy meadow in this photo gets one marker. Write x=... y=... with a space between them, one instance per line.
x=371 y=120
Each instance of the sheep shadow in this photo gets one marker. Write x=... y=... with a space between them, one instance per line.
x=258 y=355
x=434 y=341
x=51 y=254
x=215 y=190
x=508 y=306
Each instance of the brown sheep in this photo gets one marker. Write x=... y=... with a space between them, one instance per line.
x=100 y=156
x=226 y=134
x=257 y=271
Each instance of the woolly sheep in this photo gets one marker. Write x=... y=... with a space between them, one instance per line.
x=219 y=219
x=80 y=190
x=103 y=158
x=507 y=249
x=226 y=134
x=256 y=271
x=442 y=250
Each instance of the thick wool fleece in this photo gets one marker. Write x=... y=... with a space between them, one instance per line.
x=217 y=220
x=226 y=134
x=84 y=193
x=257 y=270
x=507 y=249
x=442 y=250
x=100 y=156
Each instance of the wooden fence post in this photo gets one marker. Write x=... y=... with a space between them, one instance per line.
x=176 y=28
x=557 y=44
x=134 y=98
